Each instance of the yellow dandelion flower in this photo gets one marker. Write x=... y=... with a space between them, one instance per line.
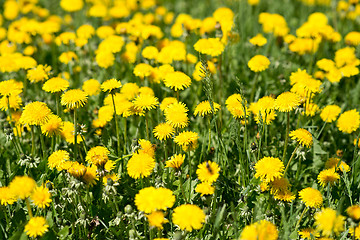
x=328 y=176
x=74 y=98
x=12 y=101
x=279 y=184
x=187 y=140
x=269 y=168
x=55 y=84
x=210 y=46
x=98 y=155
x=36 y=227
x=163 y=131
x=105 y=59
x=176 y=115
x=302 y=136
x=11 y=87
x=35 y=113
x=208 y=171
x=330 y=113
x=6 y=196
x=150 y=52
x=236 y=105
x=146 y=147
x=177 y=80
x=287 y=101
x=140 y=165
x=308 y=233
x=110 y=179
x=110 y=85
x=53 y=126
x=284 y=195
x=260 y=230
x=109 y=165
x=91 y=87
x=90 y=176
x=152 y=199
x=38 y=74
x=337 y=164
x=145 y=102
x=188 y=217
x=355 y=233
x=311 y=197
x=258 y=40
x=68 y=132
x=57 y=158
x=258 y=63
x=22 y=186
x=156 y=219
x=205 y=188
x=41 y=197
x=130 y=90
x=167 y=102
x=204 y=108
x=175 y=161
x=352 y=38
x=76 y=169
x=329 y=222
x=354 y=212
x=349 y=121
x=142 y=70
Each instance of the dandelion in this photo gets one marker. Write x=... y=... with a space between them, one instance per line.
x=234 y=104
x=330 y=113
x=6 y=196
x=260 y=230
x=328 y=221
x=337 y=164
x=187 y=140
x=269 y=168
x=98 y=155
x=302 y=136
x=36 y=227
x=110 y=85
x=258 y=63
x=208 y=171
x=176 y=115
x=205 y=188
x=287 y=102
x=41 y=197
x=177 y=80
x=211 y=46
x=156 y=219
x=140 y=165
x=188 y=217
x=145 y=102
x=52 y=126
x=327 y=176
x=166 y=102
x=57 y=159
x=311 y=197
x=38 y=74
x=10 y=87
x=308 y=233
x=22 y=186
x=152 y=199
x=76 y=169
x=163 y=131
x=204 y=108
x=146 y=147
x=258 y=40
x=74 y=98
x=354 y=212
x=35 y=113
x=349 y=121
x=90 y=176
x=91 y=87
x=55 y=84
x=175 y=161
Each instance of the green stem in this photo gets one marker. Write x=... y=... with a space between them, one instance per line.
x=57 y=96
x=182 y=187
x=189 y=177
x=32 y=141
x=287 y=134
x=42 y=144
x=260 y=142
x=291 y=158
x=208 y=150
x=301 y=216
x=116 y=125
x=256 y=79
x=29 y=207
x=75 y=136
x=147 y=126
x=125 y=134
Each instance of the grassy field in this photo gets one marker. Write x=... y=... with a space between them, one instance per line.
x=154 y=119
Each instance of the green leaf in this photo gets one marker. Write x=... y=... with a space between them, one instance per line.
x=63 y=233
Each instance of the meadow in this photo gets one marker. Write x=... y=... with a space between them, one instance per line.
x=164 y=119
